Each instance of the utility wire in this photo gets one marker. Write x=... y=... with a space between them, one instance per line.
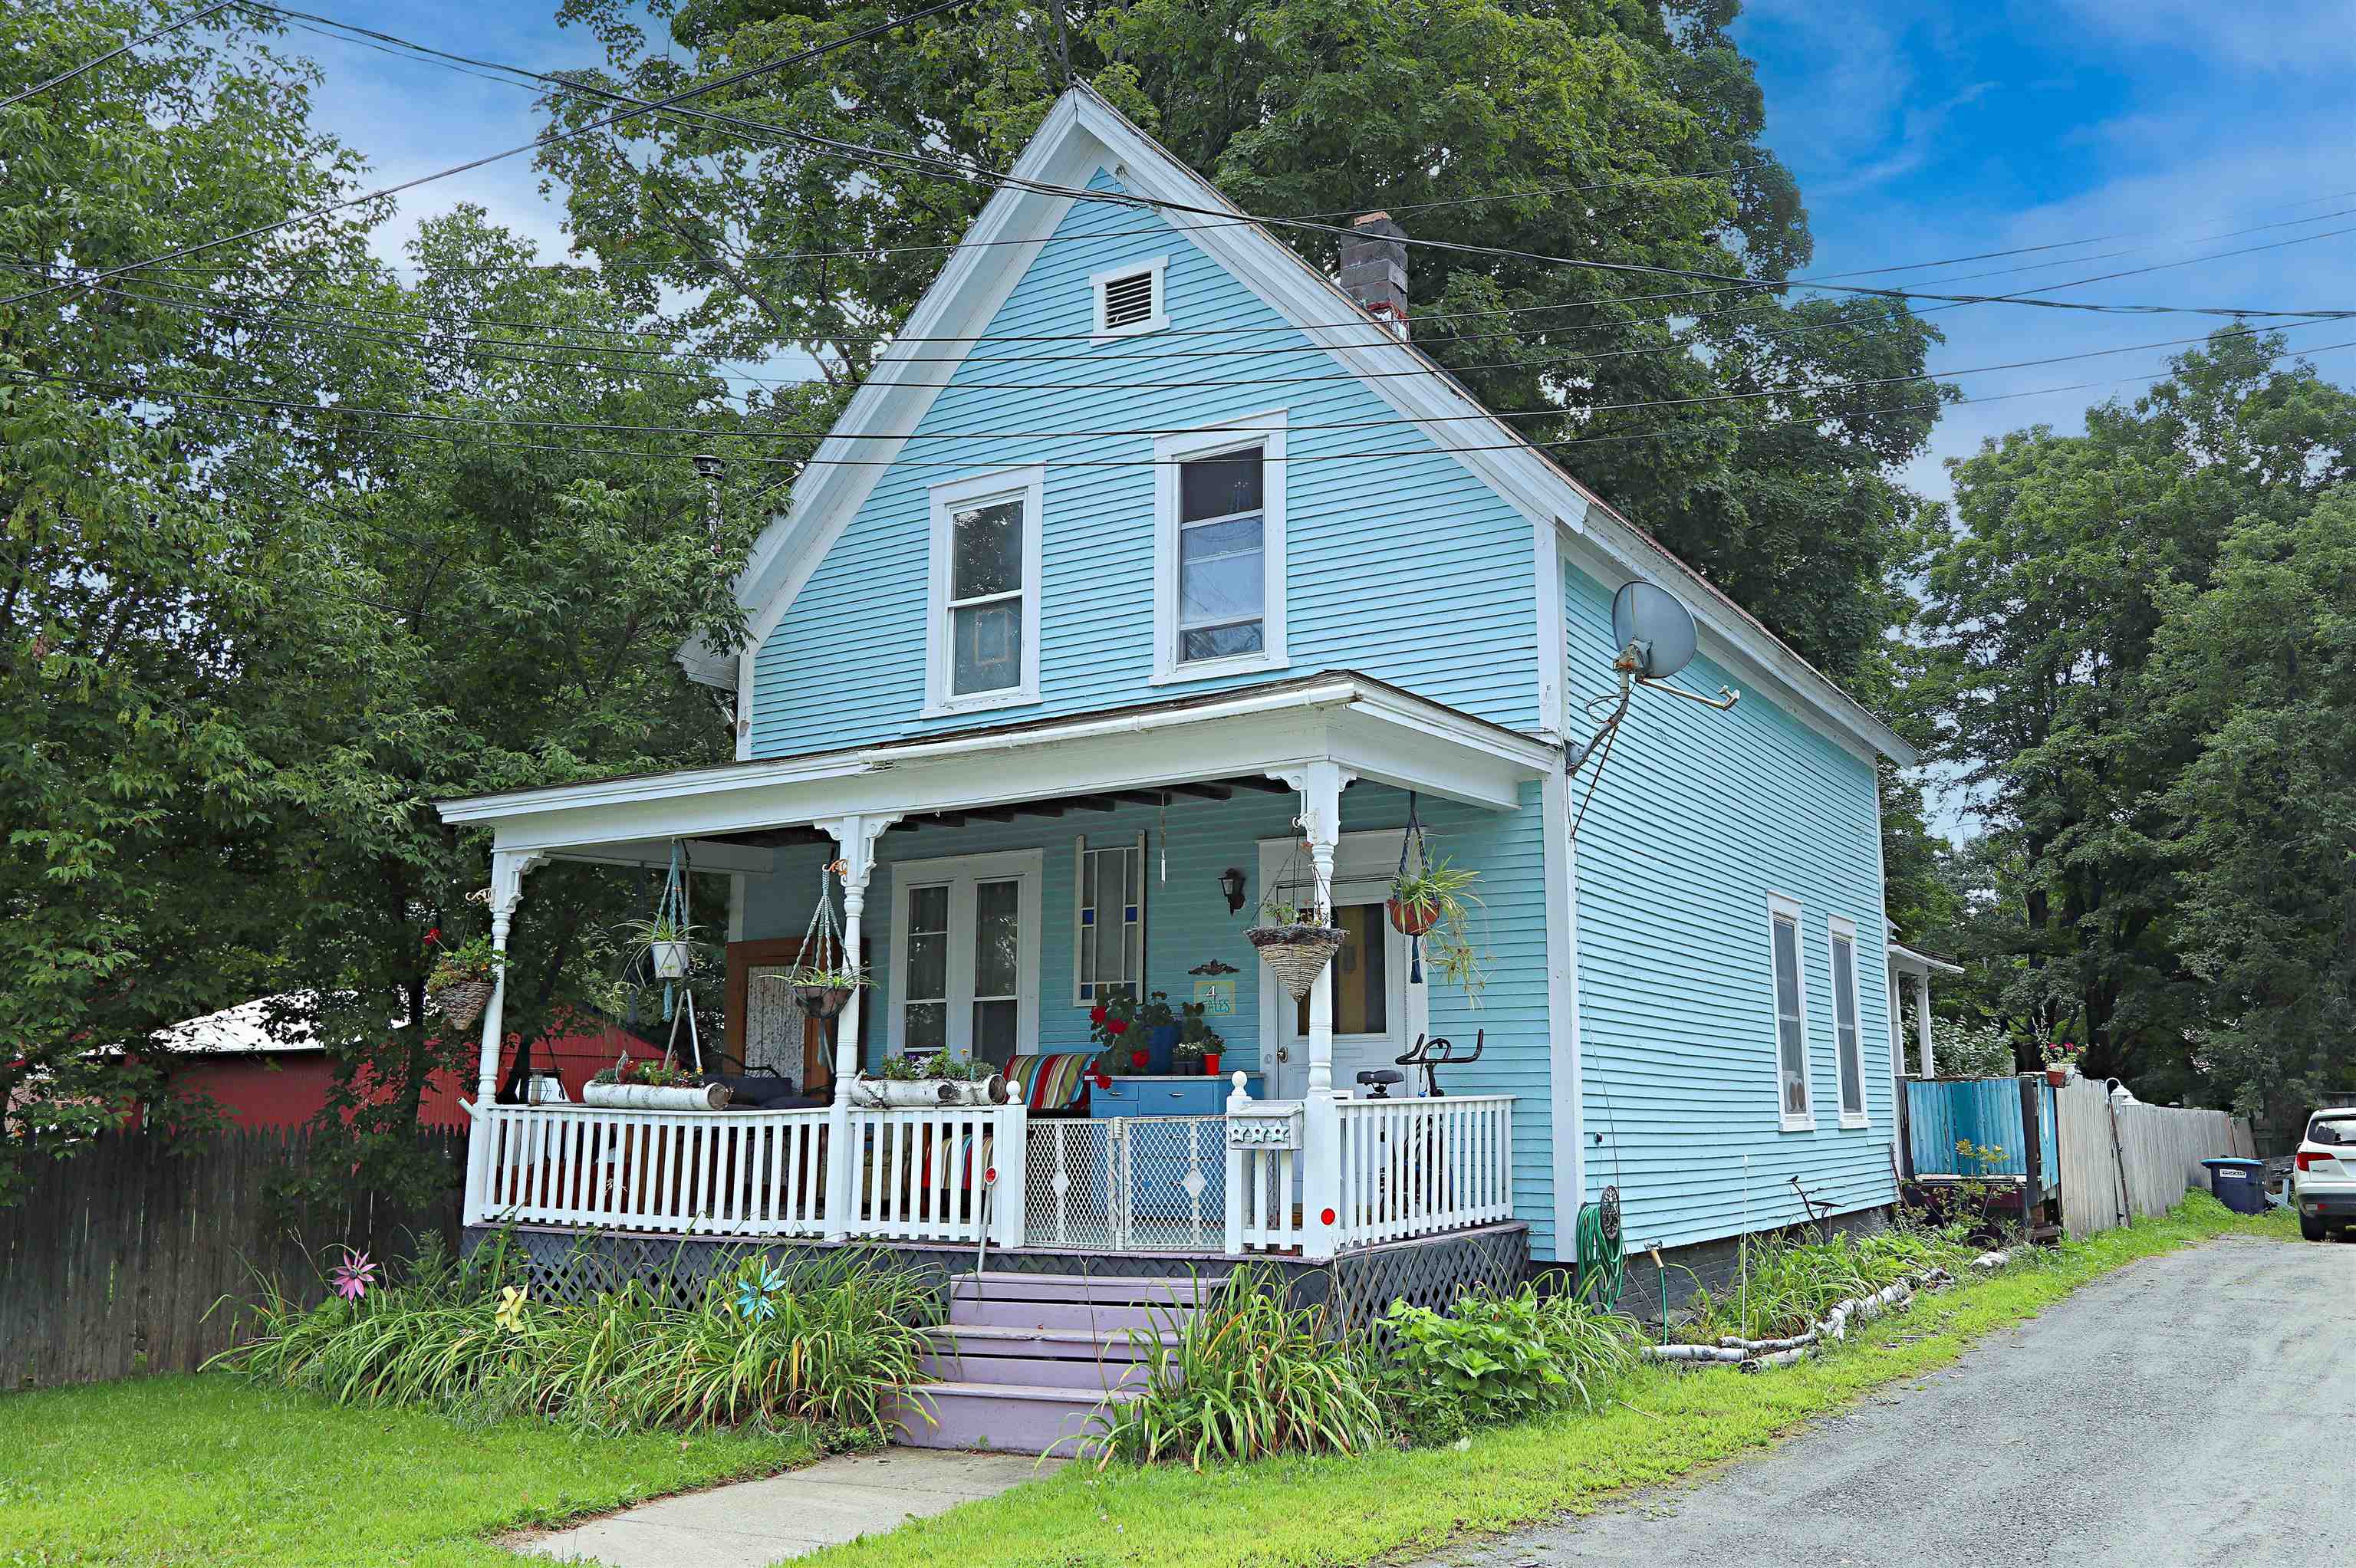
x=1807 y=390
x=549 y=139
x=65 y=76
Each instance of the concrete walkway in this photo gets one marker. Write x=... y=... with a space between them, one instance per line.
x=754 y=1523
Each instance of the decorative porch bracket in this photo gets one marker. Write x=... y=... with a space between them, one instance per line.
x=854 y=837
x=1320 y=785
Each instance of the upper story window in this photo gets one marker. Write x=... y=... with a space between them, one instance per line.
x=982 y=640
x=1128 y=299
x=1797 y=1113
x=1219 y=550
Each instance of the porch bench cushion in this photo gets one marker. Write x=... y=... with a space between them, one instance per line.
x=1055 y=1081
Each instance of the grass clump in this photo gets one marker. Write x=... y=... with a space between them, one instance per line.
x=1245 y=1375
x=827 y=1342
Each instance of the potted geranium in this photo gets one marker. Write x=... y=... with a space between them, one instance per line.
x=1110 y=1023
x=462 y=979
x=1296 y=942
x=653 y=1086
x=939 y=1078
x=2060 y=1060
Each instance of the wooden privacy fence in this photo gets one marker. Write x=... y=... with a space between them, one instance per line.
x=112 y=1265
x=2125 y=1162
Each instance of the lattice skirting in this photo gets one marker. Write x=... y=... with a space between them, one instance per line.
x=1356 y=1288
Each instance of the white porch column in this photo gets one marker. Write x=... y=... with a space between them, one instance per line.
x=1321 y=785
x=508 y=869
x=855 y=836
x=1922 y=1021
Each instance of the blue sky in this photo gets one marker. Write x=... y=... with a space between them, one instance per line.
x=1918 y=131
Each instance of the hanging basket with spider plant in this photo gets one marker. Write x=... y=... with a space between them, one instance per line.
x=821 y=992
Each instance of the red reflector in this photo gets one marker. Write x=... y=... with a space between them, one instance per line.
x=1325 y=1216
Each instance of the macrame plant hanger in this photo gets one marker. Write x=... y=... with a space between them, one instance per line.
x=823 y=951
x=1411 y=844
x=679 y=997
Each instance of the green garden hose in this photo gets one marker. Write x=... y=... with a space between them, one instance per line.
x=1602 y=1272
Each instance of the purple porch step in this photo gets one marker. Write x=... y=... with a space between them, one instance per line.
x=1098 y=1317
x=1163 y=1290
x=1053 y=1358
x=1016 y=1418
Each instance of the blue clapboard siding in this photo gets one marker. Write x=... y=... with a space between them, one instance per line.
x=1187 y=923
x=1403 y=566
x=1941 y=1113
x=1699 y=816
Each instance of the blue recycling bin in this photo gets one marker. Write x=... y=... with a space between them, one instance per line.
x=2239 y=1184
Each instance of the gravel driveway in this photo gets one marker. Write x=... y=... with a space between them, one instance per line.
x=2194 y=1408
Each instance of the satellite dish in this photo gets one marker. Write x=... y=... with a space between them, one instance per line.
x=1658 y=628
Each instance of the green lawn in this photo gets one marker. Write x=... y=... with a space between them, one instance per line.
x=214 y=1470
x=1297 y=1512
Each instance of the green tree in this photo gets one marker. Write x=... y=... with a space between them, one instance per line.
x=146 y=737
x=2042 y=616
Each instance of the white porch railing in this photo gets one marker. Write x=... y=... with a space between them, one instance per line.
x=757 y=1173
x=1411 y=1168
x=1242 y=1182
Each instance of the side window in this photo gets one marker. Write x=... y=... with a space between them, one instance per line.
x=1219 y=597
x=1796 y=1111
x=1851 y=1049
x=982 y=635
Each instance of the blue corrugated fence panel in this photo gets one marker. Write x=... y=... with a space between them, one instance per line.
x=1943 y=1113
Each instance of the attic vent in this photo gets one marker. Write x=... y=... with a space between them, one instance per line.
x=1128 y=299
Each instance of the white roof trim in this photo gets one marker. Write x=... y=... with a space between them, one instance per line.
x=1906 y=957
x=1083 y=132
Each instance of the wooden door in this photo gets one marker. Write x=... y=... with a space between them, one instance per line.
x=764 y=1026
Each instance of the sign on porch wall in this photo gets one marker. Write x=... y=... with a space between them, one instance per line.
x=1216 y=996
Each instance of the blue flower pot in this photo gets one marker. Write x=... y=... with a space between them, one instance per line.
x=1158 y=1046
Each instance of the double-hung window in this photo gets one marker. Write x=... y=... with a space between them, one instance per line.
x=1219 y=550
x=982 y=640
x=1797 y=1113
x=1851 y=1043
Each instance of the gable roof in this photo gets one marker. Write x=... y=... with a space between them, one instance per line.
x=1082 y=134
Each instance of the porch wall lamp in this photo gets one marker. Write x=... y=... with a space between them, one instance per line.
x=1231 y=882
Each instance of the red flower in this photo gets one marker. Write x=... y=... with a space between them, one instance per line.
x=1103 y=1080
x=1117 y=1028
x=1096 y=1015
x=434 y=934
x=1137 y=1059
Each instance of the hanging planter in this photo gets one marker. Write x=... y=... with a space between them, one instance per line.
x=1412 y=919
x=462 y=981
x=667 y=943
x=820 y=991
x=1430 y=902
x=671 y=959
x=1297 y=948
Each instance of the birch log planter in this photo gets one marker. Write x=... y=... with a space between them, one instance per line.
x=657 y=1096
x=927 y=1094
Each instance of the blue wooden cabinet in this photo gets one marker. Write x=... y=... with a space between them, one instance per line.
x=1199 y=1095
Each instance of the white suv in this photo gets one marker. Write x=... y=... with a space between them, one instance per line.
x=2323 y=1177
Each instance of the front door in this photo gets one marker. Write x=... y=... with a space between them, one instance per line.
x=965 y=956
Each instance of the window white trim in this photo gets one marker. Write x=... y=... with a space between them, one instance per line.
x=1157 y=321
x=1785 y=911
x=1838 y=929
x=1266 y=430
x=1081 y=850
x=1030 y=485
x=960 y=873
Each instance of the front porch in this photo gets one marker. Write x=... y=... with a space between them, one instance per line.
x=989 y=925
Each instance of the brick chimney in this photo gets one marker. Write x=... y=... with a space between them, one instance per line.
x=1373 y=268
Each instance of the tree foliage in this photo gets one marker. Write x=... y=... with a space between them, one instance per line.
x=2132 y=645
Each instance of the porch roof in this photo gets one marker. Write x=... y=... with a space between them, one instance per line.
x=1907 y=960
x=1373 y=729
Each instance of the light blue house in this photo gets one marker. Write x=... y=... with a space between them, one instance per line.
x=1151 y=568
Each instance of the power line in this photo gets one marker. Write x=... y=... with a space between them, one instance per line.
x=549 y=139
x=705 y=434
x=65 y=76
